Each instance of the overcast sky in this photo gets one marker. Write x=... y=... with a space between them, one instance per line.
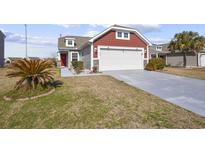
x=42 y=39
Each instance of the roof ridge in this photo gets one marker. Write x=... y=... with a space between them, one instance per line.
x=75 y=36
x=122 y=26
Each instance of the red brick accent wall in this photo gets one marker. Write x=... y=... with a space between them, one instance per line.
x=109 y=40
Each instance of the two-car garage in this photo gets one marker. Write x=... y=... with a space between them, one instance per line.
x=116 y=58
x=119 y=48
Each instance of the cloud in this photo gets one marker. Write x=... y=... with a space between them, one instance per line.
x=32 y=40
x=145 y=28
x=91 y=33
x=100 y=25
x=68 y=25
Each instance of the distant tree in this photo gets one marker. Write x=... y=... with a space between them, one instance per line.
x=187 y=42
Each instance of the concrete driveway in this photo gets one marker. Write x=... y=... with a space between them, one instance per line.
x=185 y=92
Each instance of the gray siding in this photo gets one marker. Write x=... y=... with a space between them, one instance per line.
x=96 y=64
x=145 y=62
x=177 y=60
x=1 y=51
x=85 y=54
x=69 y=59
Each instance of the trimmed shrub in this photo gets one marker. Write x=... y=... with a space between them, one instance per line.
x=155 y=64
x=77 y=66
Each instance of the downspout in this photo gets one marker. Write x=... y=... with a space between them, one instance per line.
x=148 y=55
x=91 y=58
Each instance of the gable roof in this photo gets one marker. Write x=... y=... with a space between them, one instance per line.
x=119 y=27
x=115 y=25
x=153 y=48
x=80 y=41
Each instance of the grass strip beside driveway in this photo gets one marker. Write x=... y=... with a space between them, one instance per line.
x=93 y=102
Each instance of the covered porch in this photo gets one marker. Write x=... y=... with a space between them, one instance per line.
x=66 y=57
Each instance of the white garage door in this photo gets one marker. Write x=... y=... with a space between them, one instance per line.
x=120 y=59
x=202 y=60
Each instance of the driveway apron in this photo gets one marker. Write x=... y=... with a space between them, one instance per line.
x=185 y=92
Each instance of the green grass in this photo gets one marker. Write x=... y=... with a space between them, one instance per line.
x=93 y=102
x=158 y=119
x=197 y=73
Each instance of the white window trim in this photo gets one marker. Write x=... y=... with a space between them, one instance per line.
x=97 y=54
x=159 y=49
x=122 y=29
x=148 y=55
x=68 y=45
x=128 y=37
x=117 y=37
x=123 y=37
x=91 y=54
x=71 y=58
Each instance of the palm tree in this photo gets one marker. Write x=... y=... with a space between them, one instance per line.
x=187 y=42
x=32 y=73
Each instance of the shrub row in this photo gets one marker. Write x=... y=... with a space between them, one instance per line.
x=155 y=64
x=77 y=66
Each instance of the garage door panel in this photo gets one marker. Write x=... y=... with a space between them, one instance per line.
x=203 y=60
x=111 y=59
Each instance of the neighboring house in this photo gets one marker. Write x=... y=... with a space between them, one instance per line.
x=34 y=58
x=2 y=38
x=12 y=59
x=159 y=50
x=176 y=59
x=116 y=48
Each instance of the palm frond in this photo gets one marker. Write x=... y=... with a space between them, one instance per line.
x=31 y=72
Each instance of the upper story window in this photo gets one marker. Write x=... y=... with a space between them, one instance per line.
x=122 y=35
x=125 y=35
x=70 y=43
x=159 y=48
x=119 y=34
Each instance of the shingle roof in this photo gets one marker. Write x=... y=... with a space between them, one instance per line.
x=153 y=49
x=34 y=58
x=122 y=26
x=14 y=58
x=80 y=41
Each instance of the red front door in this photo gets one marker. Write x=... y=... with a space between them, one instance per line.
x=63 y=59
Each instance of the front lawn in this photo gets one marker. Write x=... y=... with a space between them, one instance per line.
x=197 y=73
x=93 y=102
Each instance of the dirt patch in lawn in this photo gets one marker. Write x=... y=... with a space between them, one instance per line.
x=95 y=102
x=197 y=73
